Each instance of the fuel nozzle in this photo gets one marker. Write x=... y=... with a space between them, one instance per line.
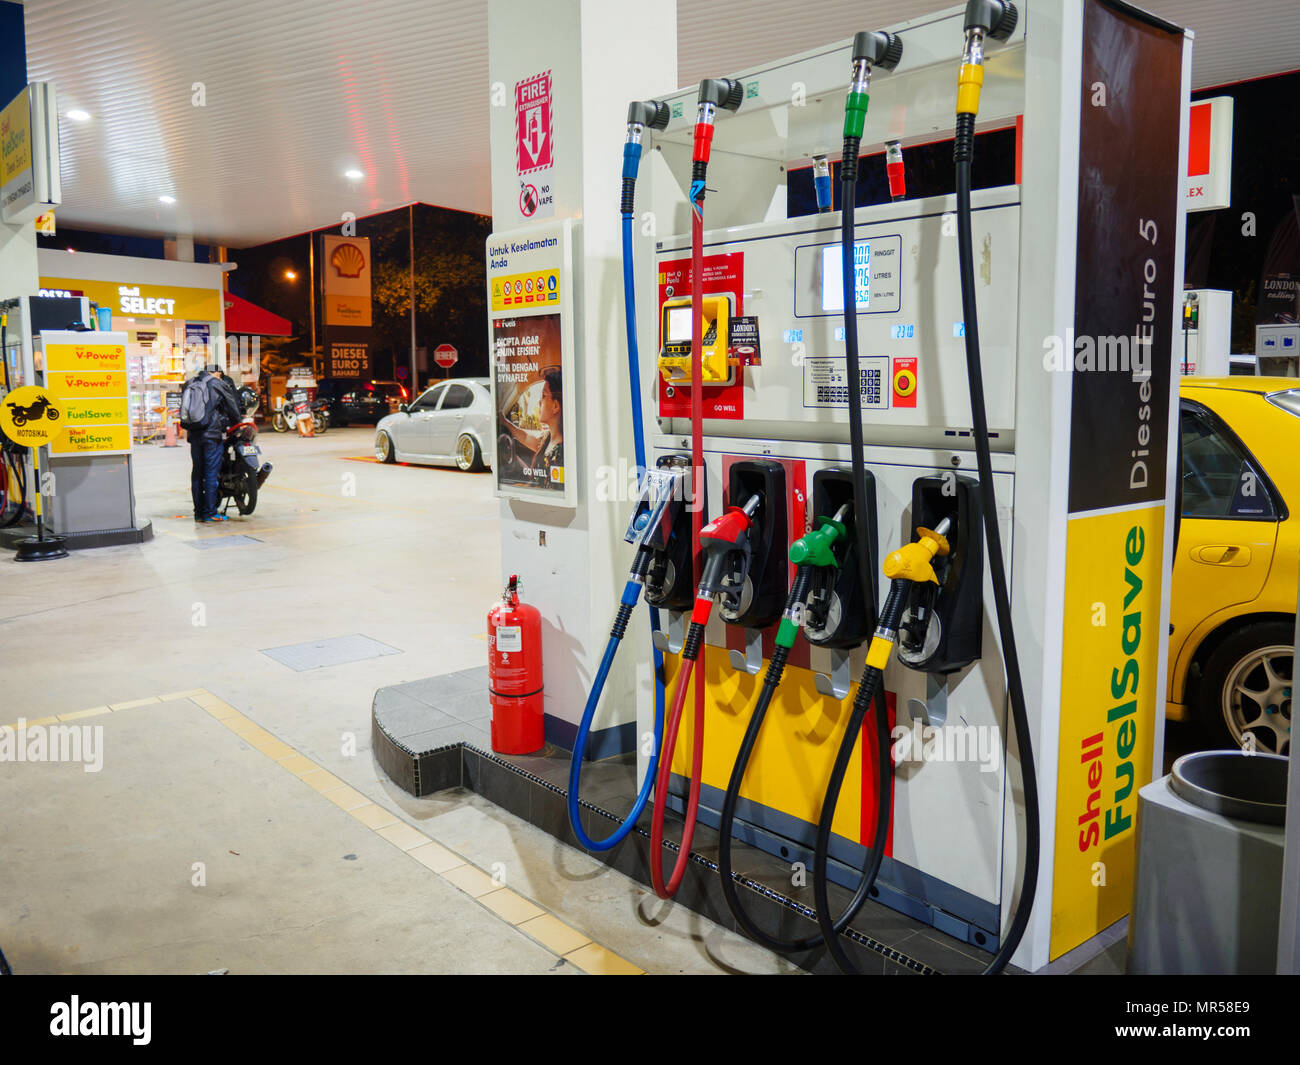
x=812 y=597
x=728 y=552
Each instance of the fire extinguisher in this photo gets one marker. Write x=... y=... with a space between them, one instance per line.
x=514 y=633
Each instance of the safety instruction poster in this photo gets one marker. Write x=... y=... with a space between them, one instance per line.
x=86 y=377
x=532 y=363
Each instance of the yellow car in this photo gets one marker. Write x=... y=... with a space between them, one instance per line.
x=1237 y=563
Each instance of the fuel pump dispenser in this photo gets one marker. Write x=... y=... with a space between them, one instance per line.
x=896 y=415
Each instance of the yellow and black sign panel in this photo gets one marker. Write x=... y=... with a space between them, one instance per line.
x=30 y=416
x=1109 y=672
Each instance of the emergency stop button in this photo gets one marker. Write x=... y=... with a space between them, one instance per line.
x=905 y=382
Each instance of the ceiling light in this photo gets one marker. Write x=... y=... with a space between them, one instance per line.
x=354 y=174
x=78 y=115
x=166 y=199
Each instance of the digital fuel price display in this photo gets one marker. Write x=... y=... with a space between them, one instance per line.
x=832 y=276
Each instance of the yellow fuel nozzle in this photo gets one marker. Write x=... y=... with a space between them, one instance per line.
x=913 y=562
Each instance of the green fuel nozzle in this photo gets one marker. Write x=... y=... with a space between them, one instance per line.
x=815 y=547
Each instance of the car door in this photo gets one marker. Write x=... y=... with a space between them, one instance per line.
x=414 y=434
x=446 y=424
x=1227 y=535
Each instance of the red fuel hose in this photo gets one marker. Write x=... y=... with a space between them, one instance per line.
x=666 y=891
x=669 y=889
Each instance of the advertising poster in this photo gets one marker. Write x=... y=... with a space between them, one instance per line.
x=724 y=274
x=1118 y=459
x=528 y=376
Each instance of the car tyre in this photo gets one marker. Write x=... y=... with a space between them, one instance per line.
x=1245 y=689
x=384 y=448
x=469 y=457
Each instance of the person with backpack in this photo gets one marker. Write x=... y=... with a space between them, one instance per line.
x=209 y=407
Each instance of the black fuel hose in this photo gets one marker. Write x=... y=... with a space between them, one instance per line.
x=962 y=153
x=771 y=681
x=873 y=693
x=870 y=689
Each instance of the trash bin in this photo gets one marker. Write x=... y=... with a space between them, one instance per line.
x=1208 y=889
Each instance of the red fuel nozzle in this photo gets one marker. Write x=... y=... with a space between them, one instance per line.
x=731 y=526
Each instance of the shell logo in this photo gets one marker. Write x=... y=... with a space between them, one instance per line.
x=348 y=260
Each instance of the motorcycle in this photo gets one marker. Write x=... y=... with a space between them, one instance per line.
x=286 y=418
x=22 y=415
x=242 y=470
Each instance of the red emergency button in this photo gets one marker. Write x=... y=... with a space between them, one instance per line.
x=905 y=382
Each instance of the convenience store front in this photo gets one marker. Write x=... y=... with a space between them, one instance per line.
x=169 y=310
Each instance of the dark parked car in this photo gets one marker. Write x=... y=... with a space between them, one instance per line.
x=358 y=402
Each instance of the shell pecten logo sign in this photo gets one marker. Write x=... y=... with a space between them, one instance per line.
x=348 y=260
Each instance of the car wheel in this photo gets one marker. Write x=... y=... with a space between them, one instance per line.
x=1245 y=692
x=384 y=448
x=468 y=456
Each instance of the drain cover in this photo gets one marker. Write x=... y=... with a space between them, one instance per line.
x=335 y=652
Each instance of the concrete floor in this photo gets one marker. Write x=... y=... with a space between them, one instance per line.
x=98 y=867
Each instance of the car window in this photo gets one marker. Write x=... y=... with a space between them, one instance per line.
x=1289 y=400
x=429 y=401
x=458 y=396
x=1221 y=479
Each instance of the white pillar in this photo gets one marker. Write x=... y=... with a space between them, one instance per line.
x=601 y=56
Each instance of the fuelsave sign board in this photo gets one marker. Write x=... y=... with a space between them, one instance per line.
x=1120 y=415
x=86 y=375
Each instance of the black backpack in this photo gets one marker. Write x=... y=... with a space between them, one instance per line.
x=197 y=404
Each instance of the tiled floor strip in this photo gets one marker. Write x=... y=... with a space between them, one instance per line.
x=524 y=914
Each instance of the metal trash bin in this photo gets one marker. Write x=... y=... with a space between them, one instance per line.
x=1208 y=889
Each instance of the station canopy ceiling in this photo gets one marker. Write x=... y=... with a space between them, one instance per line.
x=297 y=92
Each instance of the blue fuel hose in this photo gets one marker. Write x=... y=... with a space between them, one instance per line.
x=632 y=590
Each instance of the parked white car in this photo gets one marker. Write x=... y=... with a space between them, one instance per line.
x=450 y=423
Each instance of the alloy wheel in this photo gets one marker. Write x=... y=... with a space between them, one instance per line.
x=1256 y=701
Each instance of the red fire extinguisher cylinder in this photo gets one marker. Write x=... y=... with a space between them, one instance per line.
x=514 y=632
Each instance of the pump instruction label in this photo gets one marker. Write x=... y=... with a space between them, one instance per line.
x=826 y=382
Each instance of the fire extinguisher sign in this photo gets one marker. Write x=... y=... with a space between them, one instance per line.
x=534 y=124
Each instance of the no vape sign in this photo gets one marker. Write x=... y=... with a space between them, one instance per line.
x=534 y=124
